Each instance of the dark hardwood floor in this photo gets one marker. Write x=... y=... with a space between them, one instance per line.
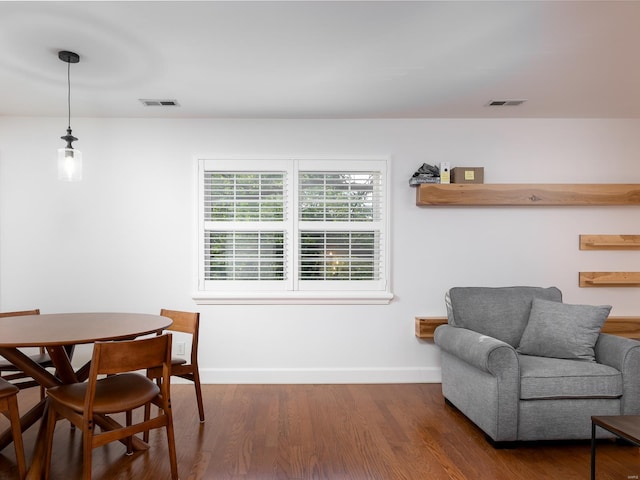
x=336 y=432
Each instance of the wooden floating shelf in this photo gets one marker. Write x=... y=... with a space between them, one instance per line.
x=425 y=326
x=622 y=326
x=609 y=279
x=609 y=242
x=529 y=194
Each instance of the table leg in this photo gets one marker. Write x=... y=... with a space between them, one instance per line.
x=64 y=370
x=593 y=450
x=35 y=371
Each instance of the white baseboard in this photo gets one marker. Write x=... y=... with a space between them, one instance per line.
x=318 y=376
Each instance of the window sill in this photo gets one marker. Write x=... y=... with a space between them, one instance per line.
x=292 y=298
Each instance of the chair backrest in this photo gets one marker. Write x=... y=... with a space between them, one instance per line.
x=501 y=312
x=185 y=322
x=20 y=313
x=130 y=355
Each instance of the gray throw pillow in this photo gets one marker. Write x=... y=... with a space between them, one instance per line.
x=561 y=330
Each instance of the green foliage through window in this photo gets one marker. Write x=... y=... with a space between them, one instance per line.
x=339 y=196
x=241 y=196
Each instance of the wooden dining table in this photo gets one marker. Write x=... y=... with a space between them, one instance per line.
x=58 y=333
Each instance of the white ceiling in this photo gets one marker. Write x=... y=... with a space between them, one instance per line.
x=322 y=59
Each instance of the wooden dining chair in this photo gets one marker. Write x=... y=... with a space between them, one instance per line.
x=122 y=390
x=186 y=322
x=9 y=407
x=20 y=379
x=9 y=371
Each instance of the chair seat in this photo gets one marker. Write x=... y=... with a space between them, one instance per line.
x=543 y=378
x=178 y=361
x=114 y=394
x=40 y=358
x=7 y=389
x=175 y=362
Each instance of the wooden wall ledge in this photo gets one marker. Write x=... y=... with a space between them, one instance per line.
x=609 y=242
x=609 y=279
x=622 y=326
x=496 y=194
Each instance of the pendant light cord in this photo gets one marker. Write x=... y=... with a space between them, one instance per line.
x=69 y=93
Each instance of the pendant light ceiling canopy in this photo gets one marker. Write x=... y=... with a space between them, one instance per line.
x=69 y=57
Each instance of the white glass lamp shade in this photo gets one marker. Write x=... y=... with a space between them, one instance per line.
x=69 y=164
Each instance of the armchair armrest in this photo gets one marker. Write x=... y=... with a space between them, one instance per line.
x=480 y=376
x=624 y=355
x=481 y=351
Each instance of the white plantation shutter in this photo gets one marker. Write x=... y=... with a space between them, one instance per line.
x=293 y=226
x=244 y=212
x=242 y=255
x=244 y=196
x=340 y=196
x=341 y=228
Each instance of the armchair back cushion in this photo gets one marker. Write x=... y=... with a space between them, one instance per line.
x=561 y=330
x=502 y=312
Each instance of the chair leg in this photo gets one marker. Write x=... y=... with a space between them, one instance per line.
x=147 y=416
x=196 y=383
x=14 y=417
x=129 y=439
x=87 y=450
x=51 y=427
x=171 y=441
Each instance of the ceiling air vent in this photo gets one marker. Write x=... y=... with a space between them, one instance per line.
x=505 y=103
x=159 y=103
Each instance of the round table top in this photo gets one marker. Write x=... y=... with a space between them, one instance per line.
x=57 y=329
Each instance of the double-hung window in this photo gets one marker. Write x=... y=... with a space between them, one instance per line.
x=293 y=231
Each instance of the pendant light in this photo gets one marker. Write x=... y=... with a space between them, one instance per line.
x=69 y=158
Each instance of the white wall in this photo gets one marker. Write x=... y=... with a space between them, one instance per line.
x=124 y=239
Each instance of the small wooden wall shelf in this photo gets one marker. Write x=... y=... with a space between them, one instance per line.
x=425 y=326
x=609 y=242
x=497 y=194
x=622 y=326
x=609 y=279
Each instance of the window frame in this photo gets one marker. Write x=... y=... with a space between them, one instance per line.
x=292 y=290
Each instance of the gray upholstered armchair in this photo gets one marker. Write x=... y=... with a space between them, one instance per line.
x=522 y=365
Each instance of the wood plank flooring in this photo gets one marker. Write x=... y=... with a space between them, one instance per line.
x=332 y=432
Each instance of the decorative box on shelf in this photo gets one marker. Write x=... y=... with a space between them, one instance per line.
x=467 y=175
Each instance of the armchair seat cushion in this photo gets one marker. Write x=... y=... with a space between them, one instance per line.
x=545 y=378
